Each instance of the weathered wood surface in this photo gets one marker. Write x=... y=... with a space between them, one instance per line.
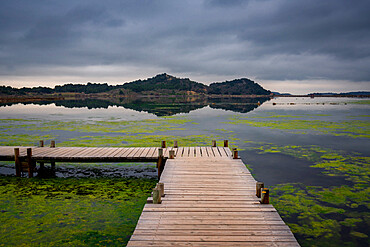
x=209 y=201
x=108 y=154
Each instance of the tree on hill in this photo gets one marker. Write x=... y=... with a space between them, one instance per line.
x=164 y=81
x=242 y=86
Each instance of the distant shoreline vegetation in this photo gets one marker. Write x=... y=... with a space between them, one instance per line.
x=162 y=85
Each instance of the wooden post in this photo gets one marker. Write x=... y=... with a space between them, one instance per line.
x=157 y=199
x=172 y=154
x=259 y=186
x=160 y=162
x=226 y=143
x=163 y=145
x=160 y=186
x=213 y=143
x=29 y=162
x=41 y=144
x=235 y=153
x=52 y=145
x=265 y=196
x=18 y=165
x=175 y=144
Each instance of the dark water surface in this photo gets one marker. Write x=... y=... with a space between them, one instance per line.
x=312 y=153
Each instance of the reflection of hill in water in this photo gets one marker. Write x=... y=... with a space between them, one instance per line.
x=164 y=106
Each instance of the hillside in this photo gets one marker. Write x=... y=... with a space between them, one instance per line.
x=165 y=82
x=242 y=86
x=159 y=85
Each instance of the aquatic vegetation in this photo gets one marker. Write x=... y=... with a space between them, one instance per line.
x=354 y=128
x=22 y=139
x=317 y=221
x=325 y=216
x=139 y=126
x=70 y=212
x=140 y=140
x=360 y=102
x=354 y=167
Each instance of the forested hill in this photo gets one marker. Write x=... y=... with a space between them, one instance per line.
x=162 y=84
x=165 y=82
x=237 y=87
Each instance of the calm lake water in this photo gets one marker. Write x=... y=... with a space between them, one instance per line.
x=312 y=153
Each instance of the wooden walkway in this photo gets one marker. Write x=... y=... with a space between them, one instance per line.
x=210 y=198
x=210 y=201
x=109 y=154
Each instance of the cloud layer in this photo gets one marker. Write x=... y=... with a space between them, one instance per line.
x=210 y=40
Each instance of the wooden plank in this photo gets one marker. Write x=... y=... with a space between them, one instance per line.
x=166 y=151
x=195 y=232
x=180 y=151
x=194 y=238
x=210 y=152
x=197 y=152
x=71 y=152
x=150 y=152
x=191 y=152
x=220 y=227
x=131 y=151
x=110 y=151
x=139 y=152
x=154 y=153
x=89 y=152
x=205 y=152
x=216 y=152
x=212 y=243
x=117 y=151
x=185 y=152
x=223 y=151
x=228 y=152
x=123 y=152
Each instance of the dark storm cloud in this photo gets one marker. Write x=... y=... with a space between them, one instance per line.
x=267 y=40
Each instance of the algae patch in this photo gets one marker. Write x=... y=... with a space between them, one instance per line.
x=70 y=212
x=349 y=128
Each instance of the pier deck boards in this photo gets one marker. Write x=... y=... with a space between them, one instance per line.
x=209 y=197
x=210 y=201
x=104 y=154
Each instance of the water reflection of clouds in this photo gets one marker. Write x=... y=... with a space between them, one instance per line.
x=53 y=112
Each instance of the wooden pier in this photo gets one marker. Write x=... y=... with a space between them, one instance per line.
x=209 y=195
x=210 y=200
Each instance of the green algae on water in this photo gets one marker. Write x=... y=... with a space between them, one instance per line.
x=353 y=128
x=70 y=212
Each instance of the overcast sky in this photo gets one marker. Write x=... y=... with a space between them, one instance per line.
x=296 y=46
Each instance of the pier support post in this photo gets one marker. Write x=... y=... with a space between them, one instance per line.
x=157 y=199
x=259 y=186
x=160 y=186
x=226 y=143
x=213 y=143
x=235 y=153
x=163 y=144
x=175 y=145
x=18 y=165
x=172 y=154
x=265 y=196
x=52 y=145
x=30 y=163
x=160 y=162
x=41 y=144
